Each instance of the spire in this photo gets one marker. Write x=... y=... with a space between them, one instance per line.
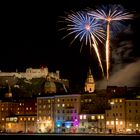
x=89 y=84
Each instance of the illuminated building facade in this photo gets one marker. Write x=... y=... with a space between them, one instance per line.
x=89 y=83
x=92 y=123
x=59 y=113
x=124 y=115
x=18 y=115
x=132 y=115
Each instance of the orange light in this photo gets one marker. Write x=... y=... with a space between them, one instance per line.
x=87 y=26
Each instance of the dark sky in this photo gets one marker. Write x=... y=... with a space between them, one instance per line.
x=30 y=37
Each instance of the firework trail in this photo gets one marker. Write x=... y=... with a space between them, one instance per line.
x=110 y=14
x=87 y=29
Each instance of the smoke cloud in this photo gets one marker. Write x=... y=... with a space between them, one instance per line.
x=129 y=76
x=125 y=69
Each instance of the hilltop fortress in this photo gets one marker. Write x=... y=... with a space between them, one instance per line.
x=31 y=73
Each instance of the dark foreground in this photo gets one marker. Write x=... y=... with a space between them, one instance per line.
x=6 y=136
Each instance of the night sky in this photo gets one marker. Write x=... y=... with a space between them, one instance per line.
x=30 y=38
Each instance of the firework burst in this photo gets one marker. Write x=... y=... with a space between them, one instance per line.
x=112 y=15
x=86 y=29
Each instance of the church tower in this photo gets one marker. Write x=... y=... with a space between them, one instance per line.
x=90 y=83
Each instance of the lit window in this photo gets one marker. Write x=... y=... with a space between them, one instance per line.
x=20 y=104
x=107 y=123
x=2 y=109
x=63 y=105
x=33 y=119
x=58 y=105
x=116 y=100
x=18 y=112
x=29 y=119
x=89 y=100
x=120 y=100
x=58 y=100
x=130 y=124
x=49 y=106
x=84 y=116
x=80 y=117
x=30 y=108
x=18 y=108
x=26 y=108
x=20 y=119
x=121 y=122
x=68 y=105
x=2 y=119
x=112 y=122
x=116 y=122
x=93 y=117
x=137 y=125
x=98 y=116
x=24 y=119
x=49 y=101
x=44 y=106
x=102 y=117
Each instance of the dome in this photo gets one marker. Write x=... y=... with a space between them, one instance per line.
x=53 y=87
x=49 y=87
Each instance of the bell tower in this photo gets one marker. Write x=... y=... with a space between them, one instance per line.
x=89 y=83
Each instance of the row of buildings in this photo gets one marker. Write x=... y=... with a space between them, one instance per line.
x=64 y=113
x=104 y=111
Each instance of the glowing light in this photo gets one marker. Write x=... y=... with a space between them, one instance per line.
x=87 y=29
x=58 y=123
x=110 y=14
x=67 y=124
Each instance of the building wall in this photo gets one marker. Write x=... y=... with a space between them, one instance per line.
x=124 y=115
x=63 y=109
x=92 y=123
x=115 y=117
x=132 y=115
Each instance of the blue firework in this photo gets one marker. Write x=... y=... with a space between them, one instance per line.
x=84 y=27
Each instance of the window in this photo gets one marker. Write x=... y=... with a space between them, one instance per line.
x=107 y=123
x=102 y=116
x=84 y=116
x=93 y=117
x=80 y=117
x=137 y=125
x=136 y=104
x=136 y=111
x=112 y=122
x=129 y=111
x=121 y=122
x=98 y=116
x=120 y=100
